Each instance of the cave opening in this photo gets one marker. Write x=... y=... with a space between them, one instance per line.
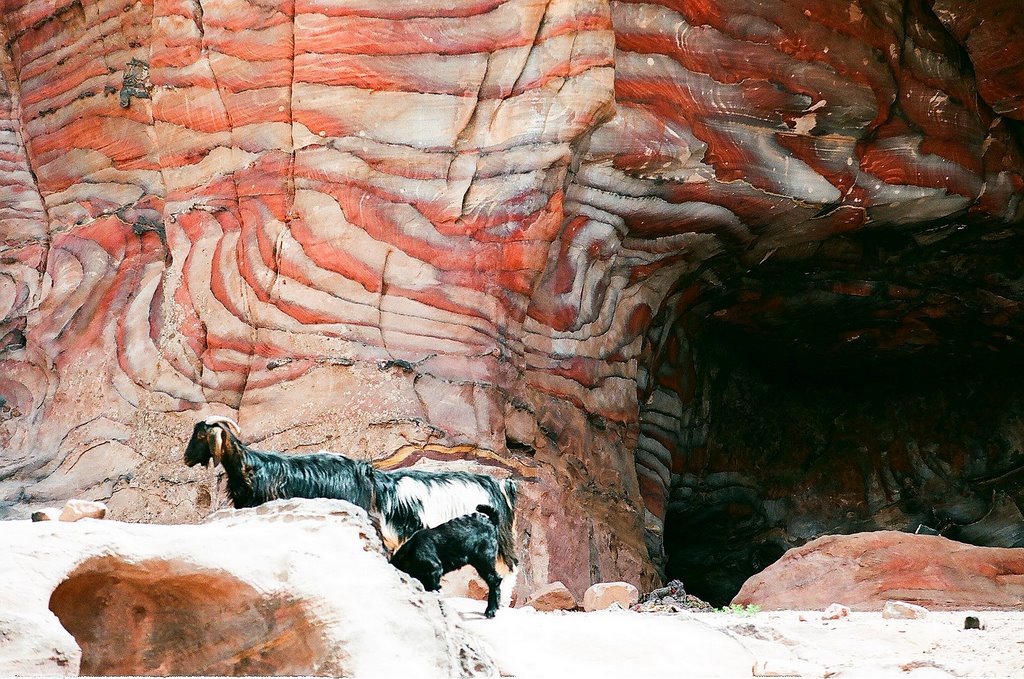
x=822 y=399
x=155 y=619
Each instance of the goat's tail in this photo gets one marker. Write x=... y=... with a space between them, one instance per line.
x=491 y=513
x=506 y=524
x=511 y=491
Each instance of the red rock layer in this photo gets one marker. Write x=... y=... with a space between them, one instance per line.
x=326 y=220
x=372 y=225
x=991 y=33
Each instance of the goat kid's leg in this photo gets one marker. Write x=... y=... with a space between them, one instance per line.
x=493 y=580
x=432 y=580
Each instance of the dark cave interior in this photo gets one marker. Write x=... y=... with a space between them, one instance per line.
x=872 y=387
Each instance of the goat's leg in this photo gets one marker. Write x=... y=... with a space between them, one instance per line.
x=493 y=580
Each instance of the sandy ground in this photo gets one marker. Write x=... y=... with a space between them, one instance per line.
x=624 y=644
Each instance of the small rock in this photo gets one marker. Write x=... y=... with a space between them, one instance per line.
x=46 y=514
x=82 y=509
x=476 y=590
x=553 y=597
x=671 y=598
x=835 y=611
x=901 y=609
x=600 y=596
x=672 y=591
x=973 y=622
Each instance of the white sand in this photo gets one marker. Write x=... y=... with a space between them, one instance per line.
x=623 y=644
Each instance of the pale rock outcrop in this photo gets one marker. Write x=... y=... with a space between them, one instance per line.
x=601 y=595
x=295 y=587
x=866 y=570
x=552 y=597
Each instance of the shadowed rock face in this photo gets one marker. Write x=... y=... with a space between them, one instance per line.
x=569 y=241
x=797 y=447
x=836 y=400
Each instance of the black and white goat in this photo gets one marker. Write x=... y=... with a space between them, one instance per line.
x=469 y=539
x=403 y=500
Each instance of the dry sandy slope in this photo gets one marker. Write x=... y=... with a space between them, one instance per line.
x=624 y=644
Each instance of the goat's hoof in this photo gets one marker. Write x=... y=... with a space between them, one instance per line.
x=489 y=614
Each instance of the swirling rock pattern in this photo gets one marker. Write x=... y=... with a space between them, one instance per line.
x=463 y=231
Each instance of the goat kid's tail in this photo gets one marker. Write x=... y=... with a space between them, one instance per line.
x=491 y=513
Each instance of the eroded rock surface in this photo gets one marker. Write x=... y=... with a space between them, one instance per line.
x=498 y=232
x=864 y=571
x=294 y=587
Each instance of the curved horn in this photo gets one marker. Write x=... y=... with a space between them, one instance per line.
x=226 y=421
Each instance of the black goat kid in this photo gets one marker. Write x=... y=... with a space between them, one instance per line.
x=469 y=539
x=256 y=476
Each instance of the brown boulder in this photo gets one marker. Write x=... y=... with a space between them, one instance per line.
x=603 y=594
x=553 y=597
x=865 y=570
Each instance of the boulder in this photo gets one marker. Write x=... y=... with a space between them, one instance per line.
x=835 y=612
x=901 y=610
x=865 y=570
x=293 y=587
x=552 y=597
x=82 y=509
x=476 y=589
x=603 y=594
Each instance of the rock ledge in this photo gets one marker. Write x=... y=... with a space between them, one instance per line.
x=295 y=587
